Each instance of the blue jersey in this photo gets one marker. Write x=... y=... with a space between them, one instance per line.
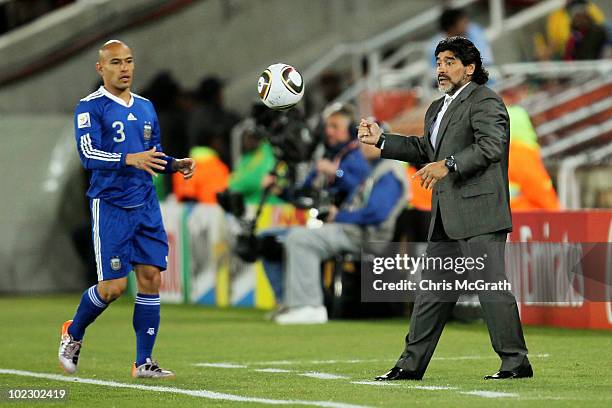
x=107 y=129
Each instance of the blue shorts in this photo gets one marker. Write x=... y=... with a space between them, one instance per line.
x=124 y=237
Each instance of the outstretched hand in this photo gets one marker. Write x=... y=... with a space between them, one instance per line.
x=149 y=160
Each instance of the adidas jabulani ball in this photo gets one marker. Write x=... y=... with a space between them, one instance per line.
x=280 y=86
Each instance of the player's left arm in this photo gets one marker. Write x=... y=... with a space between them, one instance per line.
x=185 y=166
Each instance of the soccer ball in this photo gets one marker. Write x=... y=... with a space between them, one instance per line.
x=280 y=86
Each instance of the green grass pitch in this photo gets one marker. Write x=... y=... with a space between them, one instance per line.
x=572 y=367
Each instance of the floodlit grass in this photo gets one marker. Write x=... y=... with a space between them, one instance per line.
x=572 y=367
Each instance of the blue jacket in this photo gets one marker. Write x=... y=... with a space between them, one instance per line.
x=383 y=198
x=353 y=169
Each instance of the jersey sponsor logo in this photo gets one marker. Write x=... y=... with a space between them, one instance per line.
x=115 y=263
x=151 y=331
x=131 y=117
x=83 y=120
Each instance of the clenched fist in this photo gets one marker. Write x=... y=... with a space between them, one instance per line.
x=368 y=132
x=185 y=166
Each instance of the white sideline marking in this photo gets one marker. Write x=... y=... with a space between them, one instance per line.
x=221 y=365
x=194 y=393
x=324 y=376
x=380 y=383
x=432 y=387
x=351 y=361
x=272 y=370
x=416 y=387
x=490 y=394
x=278 y=362
x=545 y=355
x=355 y=361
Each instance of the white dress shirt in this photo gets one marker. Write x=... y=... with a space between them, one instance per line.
x=436 y=125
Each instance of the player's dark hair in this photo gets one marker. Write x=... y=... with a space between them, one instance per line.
x=467 y=53
x=449 y=18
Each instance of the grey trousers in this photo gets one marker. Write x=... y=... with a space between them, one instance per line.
x=305 y=249
x=500 y=311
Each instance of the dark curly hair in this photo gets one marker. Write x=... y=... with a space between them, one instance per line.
x=467 y=53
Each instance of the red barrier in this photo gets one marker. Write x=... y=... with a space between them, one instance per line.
x=566 y=226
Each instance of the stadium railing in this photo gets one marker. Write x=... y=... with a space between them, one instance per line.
x=381 y=73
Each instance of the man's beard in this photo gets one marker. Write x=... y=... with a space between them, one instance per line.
x=448 y=88
x=451 y=86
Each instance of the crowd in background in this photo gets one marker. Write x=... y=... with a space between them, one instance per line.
x=577 y=32
x=376 y=194
x=198 y=123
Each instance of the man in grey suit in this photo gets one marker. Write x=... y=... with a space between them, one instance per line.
x=465 y=153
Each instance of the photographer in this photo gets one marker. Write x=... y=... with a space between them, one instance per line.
x=369 y=215
x=332 y=179
x=343 y=166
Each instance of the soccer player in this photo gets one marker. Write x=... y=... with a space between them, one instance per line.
x=118 y=139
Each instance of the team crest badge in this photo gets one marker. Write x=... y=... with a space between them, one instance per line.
x=148 y=129
x=115 y=263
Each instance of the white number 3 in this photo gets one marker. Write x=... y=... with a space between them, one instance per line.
x=119 y=126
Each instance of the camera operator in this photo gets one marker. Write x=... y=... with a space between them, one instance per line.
x=334 y=177
x=342 y=167
x=369 y=215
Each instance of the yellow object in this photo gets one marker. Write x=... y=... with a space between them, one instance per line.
x=558 y=27
x=264 y=295
x=273 y=215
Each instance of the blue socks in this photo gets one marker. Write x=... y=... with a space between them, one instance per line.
x=89 y=309
x=146 y=324
x=146 y=320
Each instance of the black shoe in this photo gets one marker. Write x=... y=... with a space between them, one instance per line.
x=397 y=373
x=522 y=372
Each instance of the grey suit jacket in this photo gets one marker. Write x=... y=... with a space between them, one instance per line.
x=475 y=129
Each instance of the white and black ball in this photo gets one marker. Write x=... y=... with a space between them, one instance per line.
x=280 y=86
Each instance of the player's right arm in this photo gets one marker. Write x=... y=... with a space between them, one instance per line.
x=409 y=149
x=88 y=132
